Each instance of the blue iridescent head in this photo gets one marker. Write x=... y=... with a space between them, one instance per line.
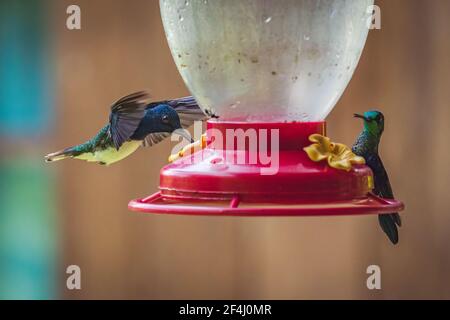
x=373 y=122
x=166 y=117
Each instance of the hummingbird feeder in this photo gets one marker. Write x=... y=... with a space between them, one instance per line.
x=271 y=71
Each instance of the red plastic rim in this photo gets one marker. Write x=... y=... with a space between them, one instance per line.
x=212 y=182
x=372 y=204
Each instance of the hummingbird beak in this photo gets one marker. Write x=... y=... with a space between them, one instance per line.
x=359 y=116
x=185 y=134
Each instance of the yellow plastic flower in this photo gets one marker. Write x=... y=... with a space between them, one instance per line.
x=189 y=149
x=338 y=155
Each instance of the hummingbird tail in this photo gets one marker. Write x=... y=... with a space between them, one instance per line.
x=61 y=155
x=388 y=223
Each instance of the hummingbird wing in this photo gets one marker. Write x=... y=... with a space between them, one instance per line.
x=126 y=114
x=154 y=138
x=383 y=189
x=382 y=184
x=188 y=110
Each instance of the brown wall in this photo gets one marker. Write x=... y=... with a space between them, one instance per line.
x=404 y=71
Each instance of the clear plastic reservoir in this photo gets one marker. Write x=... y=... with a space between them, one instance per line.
x=266 y=60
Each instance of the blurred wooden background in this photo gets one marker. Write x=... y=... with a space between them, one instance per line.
x=404 y=71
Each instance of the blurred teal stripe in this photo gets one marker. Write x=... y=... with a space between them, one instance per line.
x=25 y=68
x=27 y=231
x=27 y=214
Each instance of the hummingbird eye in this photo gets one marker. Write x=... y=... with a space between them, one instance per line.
x=165 y=119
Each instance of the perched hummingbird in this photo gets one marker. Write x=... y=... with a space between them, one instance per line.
x=133 y=123
x=366 y=146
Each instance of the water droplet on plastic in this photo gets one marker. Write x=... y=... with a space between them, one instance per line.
x=267 y=19
x=304 y=117
x=216 y=160
x=235 y=105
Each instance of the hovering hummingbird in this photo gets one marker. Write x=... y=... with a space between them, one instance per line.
x=366 y=146
x=133 y=123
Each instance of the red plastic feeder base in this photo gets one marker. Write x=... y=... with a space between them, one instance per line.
x=261 y=169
